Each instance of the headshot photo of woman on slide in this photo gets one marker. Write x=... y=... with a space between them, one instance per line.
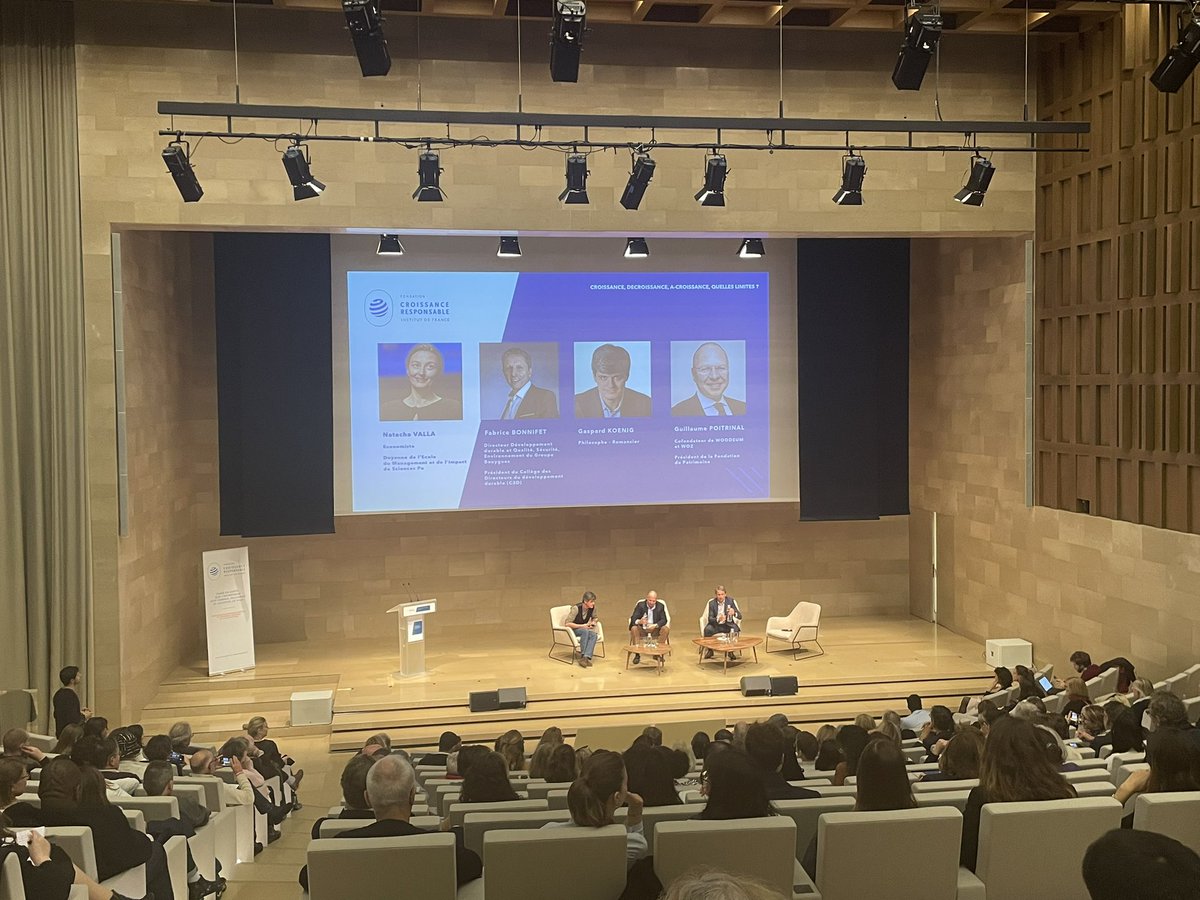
x=420 y=382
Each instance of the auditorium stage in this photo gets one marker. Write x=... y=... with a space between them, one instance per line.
x=870 y=664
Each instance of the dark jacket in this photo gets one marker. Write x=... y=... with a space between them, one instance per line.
x=118 y=846
x=67 y=710
x=51 y=880
x=692 y=407
x=658 y=615
x=779 y=789
x=539 y=403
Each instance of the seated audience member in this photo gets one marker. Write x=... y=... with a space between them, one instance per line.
x=1174 y=766
x=66 y=740
x=14 y=780
x=96 y=726
x=391 y=790
x=1027 y=684
x=270 y=761
x=486 y=781
x=1126 y=735
x=739 y=734
x=205 y=762
x=791 y=769
x=511 y=745
x=237 y=750
x=379 y=746
x=1015 y=766
x=779 y=720
x=47 y=872
x=159 y=781
x=181 y=736
x=102 y=755
x=734 y=787
x=67 y=708
x=865 y=722
x=1140 y=692
x=1030 y=708
x=650 y=776
x=700 y=742
x=807 y=746
x=988 y=713
x=765 y=745
x=447 y=744
x=1077 y=697
x=1057 y=751
x=654 y=733
x=829 y=757
x=825 y=733
x=939 y=728
x=1057 y=723
x=1081 y=662
x=354 y=792
x=468 y=756
x=1112 y=711
x=714 y=885
x=1140 y=864
x=158 y=749
x=75 y=795
x=1003 y=680
x=882 y=785
x=596 y=794
x=888 y=731
x=851 y=740
x=1091 y=723
x=724 y=735
x=961 y=757
x=552 y=738
x=917 y=715
x=1167 y=711
x=129 y=750
x=679 y=761
x=560 y=767
x=890 y=715
x=16 y=746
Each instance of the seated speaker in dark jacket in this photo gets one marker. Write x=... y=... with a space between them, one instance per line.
x=391 y=789
x=764 y=745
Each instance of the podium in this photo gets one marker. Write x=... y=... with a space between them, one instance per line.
x=410 y=617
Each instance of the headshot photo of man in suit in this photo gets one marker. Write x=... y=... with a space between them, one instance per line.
x=524 y=399
x=611 y=398
x=710 y=373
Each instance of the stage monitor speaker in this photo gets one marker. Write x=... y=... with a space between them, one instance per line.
x=512 y=698
x=484 y=701
x=783 y=685
x=756 y=685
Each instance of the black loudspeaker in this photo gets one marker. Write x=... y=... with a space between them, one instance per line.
x=505 y=698
x=512 y=698
x=782 y=685
x=756 y=686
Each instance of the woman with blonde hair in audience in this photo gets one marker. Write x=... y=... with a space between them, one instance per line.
x=1091 y=723
x=266 y=750
x=1077 y=696
x=894 y=717
x=1015 y=766
x=714 y=885
x=961 y=757
x=865 y=722
x=601 y=788
x=66 y=739
x=889 y=731
x=826 y=733
x=511 y=745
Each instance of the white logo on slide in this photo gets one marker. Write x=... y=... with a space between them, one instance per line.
x=379 y=308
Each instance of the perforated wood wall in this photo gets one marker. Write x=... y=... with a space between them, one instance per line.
x=1117 y=340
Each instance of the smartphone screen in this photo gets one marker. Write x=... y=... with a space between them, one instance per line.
x=1046 y=683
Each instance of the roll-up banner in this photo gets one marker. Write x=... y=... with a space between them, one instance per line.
x=227 y=611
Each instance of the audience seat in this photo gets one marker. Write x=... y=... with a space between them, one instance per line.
x=957 y=799
x=356 y=868
x=557 y=799
x=1116 y=760
x=1036 y=849
x=1103 y=684
x=805 y=814
x=77 y=841
x=476 y=825
x=760 y=848
x=653 y=815
x=1177 y=685
x=1192 y=707
x=1177 y=815
x=582 y=863
x=457 y=811
x=1086 y=774
x=13 y=888
x=801 y=626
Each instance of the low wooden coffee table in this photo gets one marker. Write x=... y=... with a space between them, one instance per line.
x=662 y=651
x=716 y=645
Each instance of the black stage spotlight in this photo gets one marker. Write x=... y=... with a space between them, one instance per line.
x=713 y=192
x=752 y=248
x=972 y=192
x=295 y=161
x=429 y=173
x=639 y=180
x=854 y=170
x=510 y=248
x=566 y=39
x=179 y=164
x=1180 y=60
x=577 y=173
x=637 y=248
x=921 y=34
x=366 y=30
x=389 y=245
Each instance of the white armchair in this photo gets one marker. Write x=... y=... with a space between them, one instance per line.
x=565 y=637
x=802 y=625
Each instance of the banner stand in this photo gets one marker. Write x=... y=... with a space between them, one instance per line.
x=228 y=614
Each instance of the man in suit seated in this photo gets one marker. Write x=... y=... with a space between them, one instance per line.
x=391 y=791
x=525 y=399
x=710 y=371
x=610 y=398
x=724 y=617
x=649 y=620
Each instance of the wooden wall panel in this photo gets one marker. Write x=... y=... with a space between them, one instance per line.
x=1117 y=366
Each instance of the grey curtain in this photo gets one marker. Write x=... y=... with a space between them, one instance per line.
x=45 y=565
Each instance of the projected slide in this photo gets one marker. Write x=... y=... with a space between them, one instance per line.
x=498 y=389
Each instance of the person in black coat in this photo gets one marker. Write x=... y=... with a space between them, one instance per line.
x=67 y=708
x=765 y=746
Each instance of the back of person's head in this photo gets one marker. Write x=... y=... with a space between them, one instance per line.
x=157 y=778
x=1140 y=865
x=390 y=784
x=14 y=739
x=235 y=747
x=1127 y=733
x=1056 y=749
x=1017 y=766
x=67 y=738
x=735 y=787
x=764 y=745
x=1026 y=709
x=1174 y=761
x=552 y=735
x=468 y=755
x=654 y=733
x=1113 y=710
x=678 y=762
x=511 y=745
x=1081 y=659
x=1056 y=722
x=487 y=780
x=96 y=725
x=807 y=746
x=655 y=782
x=713 y=885
x=560 y=767
x=700 y=742
x=1166 y=711
x=354 y=781
x=158 y=748
x=914 y=702
x=1142 y=687
x=889 y=731
x=128 y=741
x=598 y=790
x=93 y=790
x=60 y=778
x=12 y=772
x=91 y=750
x=382 y=740
x=987 y=710
x=67 y=674
x=1077 y=688
x=852 y=740
x=829 y=754
x=448 y=741
x=962 y=755
x=883 y=778
x=865 y=722
x=890 y=715
x=739 y=734
x=826 y=733
x=942 y=719
x=779 y=720
x=256 y=727
x=1091 y=719
x=181 y=735
x=199 y=761
x=724 y=735
x=1004 y=677
x=541 y=756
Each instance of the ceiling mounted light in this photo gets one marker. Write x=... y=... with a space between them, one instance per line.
x=566 y=39
x=296 y=164
x=1181 y=59
x=637 y=248
x=429 y=173
x=922 y=31
x=752 y=248
x=510 y=247
x=715 y=171
x=577 y=173
x=639 y=180
x=854 y=170
x=971 y=193
x=366 y=30
x=389 y=245
x=177 y=156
